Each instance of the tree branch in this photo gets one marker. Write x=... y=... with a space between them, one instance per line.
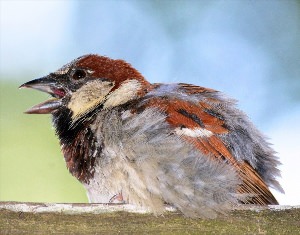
x=45 y=218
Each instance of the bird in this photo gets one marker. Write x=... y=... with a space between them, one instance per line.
x=154 y=145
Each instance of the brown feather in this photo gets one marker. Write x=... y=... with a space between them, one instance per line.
x=185 y=114
x=115 y=70
x=255 y=186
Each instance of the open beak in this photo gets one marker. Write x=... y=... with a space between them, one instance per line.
x=49 y=85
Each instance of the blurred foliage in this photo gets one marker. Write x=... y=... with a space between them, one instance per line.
x=31 y=165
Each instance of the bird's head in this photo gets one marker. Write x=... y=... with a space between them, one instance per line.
x=87 y=83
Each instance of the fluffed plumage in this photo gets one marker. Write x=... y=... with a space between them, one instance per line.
x=149 y=144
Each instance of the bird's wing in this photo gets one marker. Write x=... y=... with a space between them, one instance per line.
x=200 y=124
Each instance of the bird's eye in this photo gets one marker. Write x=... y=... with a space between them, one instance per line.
x=79 y=74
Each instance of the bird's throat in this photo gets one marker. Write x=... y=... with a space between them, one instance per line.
x=77 y=142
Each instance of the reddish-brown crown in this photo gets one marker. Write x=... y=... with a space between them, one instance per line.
x=116 y=70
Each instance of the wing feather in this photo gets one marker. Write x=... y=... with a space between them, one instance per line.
x=187 y=115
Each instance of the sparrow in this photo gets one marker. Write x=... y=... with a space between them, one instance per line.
x=150 y=145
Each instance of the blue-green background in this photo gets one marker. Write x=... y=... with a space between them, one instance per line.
x=248 y=49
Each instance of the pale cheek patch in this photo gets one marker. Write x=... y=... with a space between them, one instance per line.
x=127 y=91
x=197 y=132
x=88 y=97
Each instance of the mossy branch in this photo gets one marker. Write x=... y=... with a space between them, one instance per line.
x=45 y=218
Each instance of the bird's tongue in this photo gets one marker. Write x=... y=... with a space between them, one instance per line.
x=46 y=107
x=58 y=92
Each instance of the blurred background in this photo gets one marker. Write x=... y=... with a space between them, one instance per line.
x=250 y=50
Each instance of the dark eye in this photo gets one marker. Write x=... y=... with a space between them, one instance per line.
x=79 y=74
